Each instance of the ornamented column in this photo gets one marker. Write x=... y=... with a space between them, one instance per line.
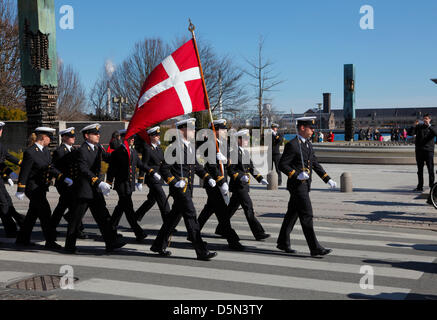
x=39 y=76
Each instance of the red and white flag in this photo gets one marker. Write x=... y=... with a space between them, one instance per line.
x=174 y=88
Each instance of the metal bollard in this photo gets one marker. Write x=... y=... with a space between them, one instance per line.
x=272 y=179
x=346 y=182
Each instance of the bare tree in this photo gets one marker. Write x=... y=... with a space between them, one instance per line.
x=223 y=81
x=264 y=81
x=129 y=77
x=98 y=97
x=11 y=92
x=71 y=95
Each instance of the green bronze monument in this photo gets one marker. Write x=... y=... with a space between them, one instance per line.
x=39 y=76
x=349 y=102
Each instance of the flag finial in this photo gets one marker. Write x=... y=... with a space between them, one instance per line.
x=191 y=27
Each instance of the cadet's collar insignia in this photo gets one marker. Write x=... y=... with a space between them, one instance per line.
x=37 y=149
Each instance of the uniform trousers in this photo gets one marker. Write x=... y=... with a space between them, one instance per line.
x=156 y=195
x=241 y=197
x=39 y=208
x=182 y=207
x=300 y=207
x=216 y=204
x=126 y=206
x=276 y=158
x=100 y=213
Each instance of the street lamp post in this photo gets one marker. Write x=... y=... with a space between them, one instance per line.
x=120 y=100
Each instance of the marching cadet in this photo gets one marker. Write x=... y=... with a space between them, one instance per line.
x=216 y=195
x=9 y=216
x=34 y=180
x=277 y=139
x=122 y=169
x=239 y=174
x=65 y=160
x=180 y=178
x=90 y=191
x=153 y=157
x=298 y=162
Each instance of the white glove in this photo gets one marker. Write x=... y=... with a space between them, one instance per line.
x=11 y=183
x=224 y=188
x=212 y=183
x=157 y=177
x=221 y=157
x=245 y=179
x=303 y=176
x=180 y=184
x=264 y=182
x=139 y=187
x=13 y=176
x=20 y=195
x=105 y=188
x=332 y=184
x=68 y=181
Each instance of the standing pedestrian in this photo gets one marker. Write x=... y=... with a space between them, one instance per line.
x=277 y=140
x=425 y=134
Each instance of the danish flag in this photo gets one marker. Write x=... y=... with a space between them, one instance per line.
x=174 y=88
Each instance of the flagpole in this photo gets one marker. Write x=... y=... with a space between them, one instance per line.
x=191 y=28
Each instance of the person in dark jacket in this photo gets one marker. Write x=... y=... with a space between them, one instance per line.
x=36 y=174
x=425 y=134
x=180 y=178
x=239 y=172
x=277 y=140
x=122 y=175
x=153 y=157
x=218 y=196
x=9 y=216
x=90 y=191
x=298 y=162
x=65 y=160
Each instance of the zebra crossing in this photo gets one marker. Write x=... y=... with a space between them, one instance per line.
x=399 y=260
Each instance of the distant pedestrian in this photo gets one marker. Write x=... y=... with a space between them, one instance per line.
x=331 y=137
x=425 y=134
x=115 y=142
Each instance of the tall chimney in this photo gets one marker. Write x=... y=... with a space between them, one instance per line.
x=327 y=103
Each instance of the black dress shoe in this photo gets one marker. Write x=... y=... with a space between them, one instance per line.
x=207 y=256
x=25 y=243
x=236 y=246
x=286 y=249
x=82 y=235
x=321 y=252
x=115 y=245
x=70 y=250
x=53 y=246
x=141 y=238
x=11 y=235
x=219 y=232
x=262 y=237
x=418 y=189
x=161 y=252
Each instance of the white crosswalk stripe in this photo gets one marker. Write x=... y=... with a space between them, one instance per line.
x=284 y=272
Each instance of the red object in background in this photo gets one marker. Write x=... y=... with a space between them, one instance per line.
x=173 y=88
x=331 y=137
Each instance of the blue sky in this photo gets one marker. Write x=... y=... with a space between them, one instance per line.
x=309 y=41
